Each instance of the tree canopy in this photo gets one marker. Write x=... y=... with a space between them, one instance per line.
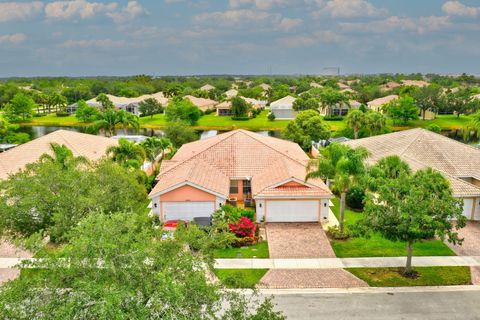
x=180 y=109
x=307 y=126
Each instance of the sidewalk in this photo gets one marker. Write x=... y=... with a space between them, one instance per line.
x=321 y=263
x=332 y=263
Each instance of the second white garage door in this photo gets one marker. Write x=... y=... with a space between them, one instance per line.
x=292 y=211
x=187 y=210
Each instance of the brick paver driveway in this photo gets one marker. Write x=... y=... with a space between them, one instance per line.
x=470 y=246
x=303 y=240
x=298 y=240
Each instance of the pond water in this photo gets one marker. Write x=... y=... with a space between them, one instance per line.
x=39 y=131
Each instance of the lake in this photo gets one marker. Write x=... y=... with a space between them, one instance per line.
x=39 y=131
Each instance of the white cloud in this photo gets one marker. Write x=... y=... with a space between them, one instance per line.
x=394 y=23
x=63 y=10
x=10 y=11
x=15 y=38
x=102 y=43
x=247 y=17
x=133 y=10
x=352 y=8
x=259 y=4
x=308 y=40
x=456 y=8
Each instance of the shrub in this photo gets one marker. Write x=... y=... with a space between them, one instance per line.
x=209 y=111
x=333 y=118
x=232 y=214
x=355 y=197
x=271 y=116
x=243 y=228
x=335 y=233
x=240 y=118
x=434 y=128
x=246 y=241
x=62 y=114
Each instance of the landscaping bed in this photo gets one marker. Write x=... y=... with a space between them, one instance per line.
x=259 y=250
x=426 y=276
x=240 y=278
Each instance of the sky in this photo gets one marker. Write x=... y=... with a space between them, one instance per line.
x=193 y=37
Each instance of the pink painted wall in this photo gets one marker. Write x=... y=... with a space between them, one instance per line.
x=238 y=195
x=187 y=193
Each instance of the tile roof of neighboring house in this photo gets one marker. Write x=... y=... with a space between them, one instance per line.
x=283 y=103
x=389 y=85
x=315 y=85
x=348 y=90
x=224 y=105
x=207 y=87
x=416 y=83
x=354 y=103
x=237 y=154
x=254 y=102
x=123 y=101
x=343 y=86
x=422 y=148
x=202 y=103
x=90 y=146
x=265 y=86
x=383 y=100
x=231 y=93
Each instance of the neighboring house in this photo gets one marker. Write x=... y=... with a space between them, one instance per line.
x=231 y=93
x=315 y=85
x=339 y=109
x=415 y=83
x=348 y=91
x=202 y=103
x=420 y=148
x=377 y=104
x=207 y=87
x=89 y=146
x=124 y=103
x=204 y=175
x=283 y=108
x=265 y=86
x=342 y=86
x=257 y=104
x=224 y=108
x=389 y=86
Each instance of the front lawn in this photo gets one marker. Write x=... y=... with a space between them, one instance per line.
x=259 y=250
x=376 y=246
x=53 y=120
x=240 y=278
x=427 y=276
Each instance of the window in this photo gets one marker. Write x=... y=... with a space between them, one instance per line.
x=233 y=186
x=247 y=187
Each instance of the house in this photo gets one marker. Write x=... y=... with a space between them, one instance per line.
x=124 y=103
x=206 y=174
x=224 y=108
x=415 y=83
x=257 y=104
x=420 y=148
x=207 y=87
x=89 y=146
x=342 y=86
x=231 y=93
x=339 y=109
x=265 y=86
x=315 y=85
x=389 y=86
x=377 y=104
x=283 y=108
x=202 y=103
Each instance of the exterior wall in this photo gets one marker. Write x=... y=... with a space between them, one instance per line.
x=324 y=209
x=188 y=193
x=292 y=184
x=238 y=195
x=285 y=114
x=260 y=209
x=471 y=208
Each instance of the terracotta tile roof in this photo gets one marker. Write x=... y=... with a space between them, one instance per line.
x=422 y=148
x=202 y=103
x=381 y=101
x=237 y=154
x=224 y=105
x=231 y=93
x=90 y=146
x=416 y=83
x=207 y=87
x=283 y=103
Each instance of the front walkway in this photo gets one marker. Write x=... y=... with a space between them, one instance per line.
x=8 y=250
x=298 y=240
x=470 y=247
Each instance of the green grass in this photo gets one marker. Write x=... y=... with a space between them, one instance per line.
x=446 y=122
x=240 y=278
x=376 y=246
x=53 y=120
x=260 y=250
x=427 y=276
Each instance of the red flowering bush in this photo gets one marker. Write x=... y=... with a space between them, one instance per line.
x=243 y=228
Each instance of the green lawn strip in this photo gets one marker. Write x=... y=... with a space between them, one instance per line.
x=240 y=278
x=446 y=122
x=53 y=120
x=259 y=250
x=376 y=246
x=427 y=276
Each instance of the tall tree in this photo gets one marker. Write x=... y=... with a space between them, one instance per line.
x=105 y=103
x=413 y=208
x=308 y=126
x=240 y=107
x=127 y=153
x=329 y=98
x=179 y=133
x=85 y=112
x=106 y=122
x=20 y=107
x=180 y=109
x=156 y=148
x=63 y=157
x=375 y=122
x=342 y=165
x=150 y=107
x=428 y=98
x=402 y=110
x=355 y=120
x=127 y=119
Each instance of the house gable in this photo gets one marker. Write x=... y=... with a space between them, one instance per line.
x=187 y=193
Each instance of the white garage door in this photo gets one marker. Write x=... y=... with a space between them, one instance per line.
x=292 y=211
x=187 y=210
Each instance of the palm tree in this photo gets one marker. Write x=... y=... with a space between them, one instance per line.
x=127 y=153
x=330 y=98
x=127 y=119
x=475 y=123
x=155 y=148
x=355 y=120
x=375 y=122
x=342 y=164
x=63 y=157
x=106 y=122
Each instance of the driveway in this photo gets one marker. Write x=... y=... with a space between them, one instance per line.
x=7 y=250
x=470 y=246
x=298 y=240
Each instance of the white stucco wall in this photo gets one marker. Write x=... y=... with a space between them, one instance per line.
x=324 y=209
x=260 y=209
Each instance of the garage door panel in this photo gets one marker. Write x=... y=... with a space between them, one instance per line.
x=187 y=210
x=292 y=211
